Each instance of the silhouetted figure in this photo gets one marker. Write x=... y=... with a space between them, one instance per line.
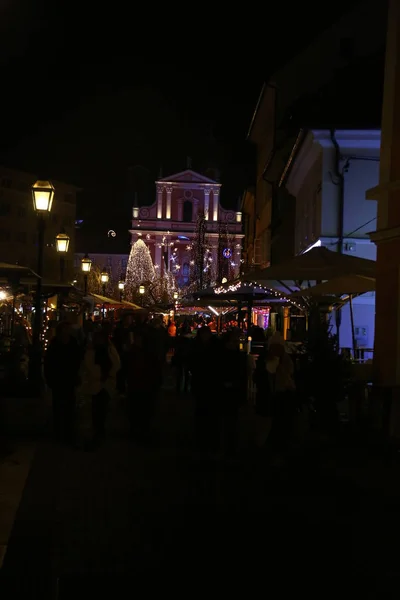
x=280 y=369
x=264 y=393
x=101 y=365
x=61 y=369
x=233 y=373
x=183 y=347
x=157 y=339
x=122 y=341
x=205 y=386
x=144 y=382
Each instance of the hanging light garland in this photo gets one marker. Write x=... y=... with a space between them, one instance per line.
x=235 y=286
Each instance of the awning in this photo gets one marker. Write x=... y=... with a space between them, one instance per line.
x=10 y=273
x=346 y=284
x=131 y=305
x=98 y=299
x=316 y=265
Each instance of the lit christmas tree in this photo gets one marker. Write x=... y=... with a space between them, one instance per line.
x=163 y=288
x=201 y=260
x=139 y=271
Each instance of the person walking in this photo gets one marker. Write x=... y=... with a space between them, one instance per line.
x=144 y=382
x=101 y=364
x=62 y=363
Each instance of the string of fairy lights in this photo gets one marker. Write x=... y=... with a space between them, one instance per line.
x=231 y=288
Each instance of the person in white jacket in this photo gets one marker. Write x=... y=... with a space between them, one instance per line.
x=101 y=364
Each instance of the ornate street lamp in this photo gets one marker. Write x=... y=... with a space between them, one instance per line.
x=104 y=277
x=175 y=295
x=42 y=196
x=62 y=245
x=86 y=265
x=121 y=286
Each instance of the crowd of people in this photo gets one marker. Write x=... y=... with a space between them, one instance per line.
x=129 y=361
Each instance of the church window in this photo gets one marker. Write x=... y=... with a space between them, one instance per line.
x=187 y=211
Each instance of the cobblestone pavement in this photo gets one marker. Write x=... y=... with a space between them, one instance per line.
x=127 y=514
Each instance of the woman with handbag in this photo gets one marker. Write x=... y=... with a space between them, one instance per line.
x=101 y=364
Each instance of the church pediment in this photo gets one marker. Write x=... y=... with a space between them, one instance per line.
x=187 y=176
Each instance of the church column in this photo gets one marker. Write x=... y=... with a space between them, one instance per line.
x=215 y=203
x=160 y=190
x=168 y=209
x=207 y=203
x=387 y=238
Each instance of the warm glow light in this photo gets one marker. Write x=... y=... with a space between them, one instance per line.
x=2 y=295
x=42 y=196
x=121 y=284
x=104 y=276
x=141 y=289
x=62 y=243
x=86 y=264
x=175 y=295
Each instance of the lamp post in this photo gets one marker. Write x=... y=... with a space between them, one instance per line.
x=62 y=245
x=42 y=196
x=86 y=265
x=141 y=292
x=104 y=277
x=121 y=286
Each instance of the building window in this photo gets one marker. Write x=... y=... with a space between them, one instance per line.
x=5 y=209
x=185 y=274
x=123 y=263
x=20 y=237
x=187 y=211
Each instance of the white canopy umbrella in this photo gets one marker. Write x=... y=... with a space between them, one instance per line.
x=318 y=264
x=339 y=286
x=346 y=284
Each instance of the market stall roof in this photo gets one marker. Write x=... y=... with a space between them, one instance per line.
x=131 y=305
x=317 y=264
x=346 y=284
x=105 y=300
x=238 y=291
x=10 y=273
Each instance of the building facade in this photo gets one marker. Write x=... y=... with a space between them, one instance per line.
x=329 y=176
x=18 y=223
x=168 y=226
x=323 y=86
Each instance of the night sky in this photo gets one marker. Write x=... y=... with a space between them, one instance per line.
x=88 y=94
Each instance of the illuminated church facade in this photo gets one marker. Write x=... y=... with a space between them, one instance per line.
x=168 y=226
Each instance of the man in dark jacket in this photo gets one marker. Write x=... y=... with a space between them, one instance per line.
x=61 y=369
